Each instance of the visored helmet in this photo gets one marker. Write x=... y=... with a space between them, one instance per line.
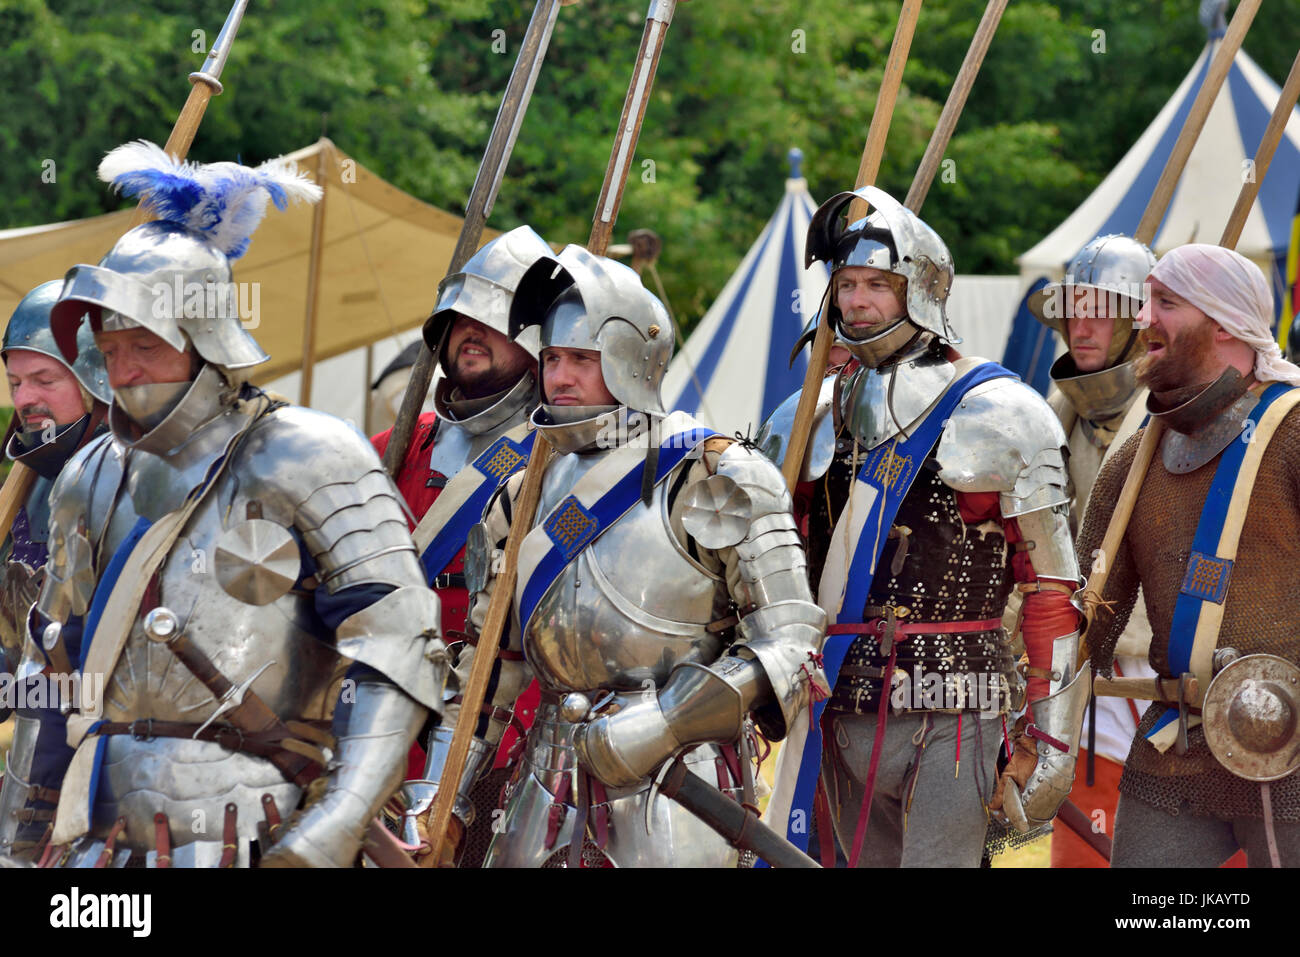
x=583 y=301
x=1113 y=269
x=485 y=287
x=29 y=328
x=173 y=276
x=893 y=239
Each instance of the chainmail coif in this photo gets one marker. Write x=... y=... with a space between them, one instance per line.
x=1261 y=612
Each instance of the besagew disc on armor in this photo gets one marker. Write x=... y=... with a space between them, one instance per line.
x=717 y=512
x=1250 y=717
x=256 y=561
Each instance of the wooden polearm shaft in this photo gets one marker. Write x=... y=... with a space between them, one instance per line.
x=1091 y=597
x=961 y=87
x=916 y=195
x=658 y=19
x=313 y=277
x=1263 y=156
x=872 y=152
x=206 y=84
x=890 y=83
x=1191 y=131
x=491 y=170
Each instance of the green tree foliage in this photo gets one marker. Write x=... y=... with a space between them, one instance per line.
x=411 y=87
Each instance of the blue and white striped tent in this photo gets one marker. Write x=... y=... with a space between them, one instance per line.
x=1208 y=188
x=732 y=370
x=1222 y=157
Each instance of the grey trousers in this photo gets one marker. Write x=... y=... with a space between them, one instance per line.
x=1146 y=836
x=945 y=825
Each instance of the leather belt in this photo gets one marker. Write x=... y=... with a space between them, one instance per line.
x=261 y=743
x=448 y=580
x=876 y=626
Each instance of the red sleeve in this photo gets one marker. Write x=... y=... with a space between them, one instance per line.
x=380 y=442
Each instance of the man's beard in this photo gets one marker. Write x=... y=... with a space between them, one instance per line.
x=479 y=385
x=1183 y=359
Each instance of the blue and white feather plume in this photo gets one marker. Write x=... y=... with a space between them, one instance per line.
x=225 y=202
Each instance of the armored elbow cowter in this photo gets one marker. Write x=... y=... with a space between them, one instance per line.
x=768 y=573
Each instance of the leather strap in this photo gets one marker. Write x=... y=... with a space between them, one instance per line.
x=505 y=654
x=229 y=847
x=876 y=626
x=272 y=814
x=864 y=813
x=106 y=855
x=264 y=744
x=162 y=841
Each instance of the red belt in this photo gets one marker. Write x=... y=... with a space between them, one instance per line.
x=876 y=626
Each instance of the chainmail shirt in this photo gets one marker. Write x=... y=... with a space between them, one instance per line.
x=1260 y=611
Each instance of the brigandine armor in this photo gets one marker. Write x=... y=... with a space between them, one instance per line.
x=1001 y=438
x=302 y=505
x=638 y=661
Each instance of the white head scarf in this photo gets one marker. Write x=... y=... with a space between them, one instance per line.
x=1232 y=291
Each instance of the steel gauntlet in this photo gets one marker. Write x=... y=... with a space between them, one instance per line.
x=417 y=795
x=697 y=704
x=1055 y=723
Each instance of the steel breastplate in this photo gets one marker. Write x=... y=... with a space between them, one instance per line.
x=630 y=608
x=873 y=415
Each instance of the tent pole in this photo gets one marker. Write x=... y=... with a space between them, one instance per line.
x=313 y=277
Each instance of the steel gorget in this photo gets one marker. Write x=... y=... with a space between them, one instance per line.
x=877 y=404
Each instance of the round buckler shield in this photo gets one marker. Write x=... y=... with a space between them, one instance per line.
x=1250 y=715
x=257 y=561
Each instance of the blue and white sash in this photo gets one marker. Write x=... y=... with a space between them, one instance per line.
x=860 y=532
x=598 y=500
x=442 y=531
x=1198 y=612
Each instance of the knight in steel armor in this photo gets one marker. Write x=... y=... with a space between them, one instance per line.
x=482 y=404
x=58 y=407
x=938 y=485
x=1211 y=768
x=662 y=594
x=216 y=560
x=1100 y=404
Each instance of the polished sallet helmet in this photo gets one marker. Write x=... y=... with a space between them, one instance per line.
x=1113 y=269
x=29 y=329
x=895 y=240
x=582 y=301
x=173 y=276
x=484 y=288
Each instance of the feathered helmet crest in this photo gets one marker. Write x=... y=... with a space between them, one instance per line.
x=206 y=215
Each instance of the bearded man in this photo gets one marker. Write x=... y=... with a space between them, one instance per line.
x=1211 y=765
x=60 y=406
x=450 y=471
